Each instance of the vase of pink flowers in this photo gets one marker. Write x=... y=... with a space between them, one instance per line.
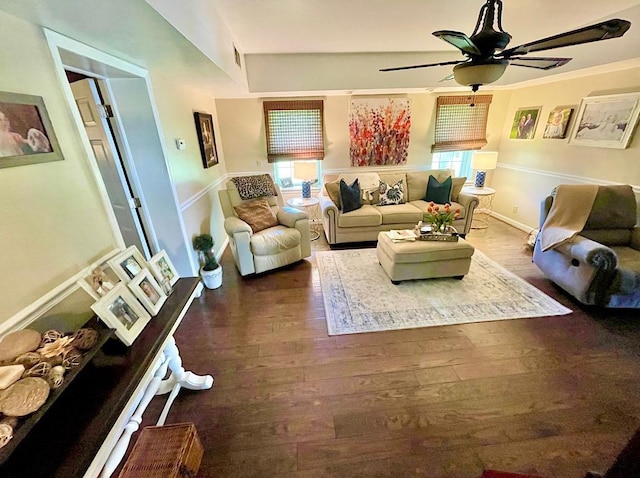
x=440 y=218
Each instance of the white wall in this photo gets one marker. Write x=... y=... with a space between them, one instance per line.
x=529 y=169
x=242 y=131
x=53 y=222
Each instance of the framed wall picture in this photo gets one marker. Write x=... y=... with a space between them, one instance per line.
x=26 y=133
x=606 y=121
x=206 y=139
x=128 y=264
x=148 y=291
x=557 y=123
x=524 y=122
x=120 y=310
x=163 y=269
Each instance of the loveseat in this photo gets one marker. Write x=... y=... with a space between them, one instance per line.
x=365 y=222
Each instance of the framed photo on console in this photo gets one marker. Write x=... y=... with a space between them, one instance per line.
x=148 y=291
x=162 y=268
x=128 y=264
x=120 y=310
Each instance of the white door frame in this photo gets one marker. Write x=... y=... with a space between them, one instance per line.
x=102 y=65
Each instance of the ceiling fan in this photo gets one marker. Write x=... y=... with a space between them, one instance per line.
x=487 y=59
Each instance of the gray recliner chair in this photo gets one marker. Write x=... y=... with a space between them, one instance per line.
x=282 y=244
x=601 y=265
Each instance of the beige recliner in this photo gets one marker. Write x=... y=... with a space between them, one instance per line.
x=601 y=265
x=277 y=246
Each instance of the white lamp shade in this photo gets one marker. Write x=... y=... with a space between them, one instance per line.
x=484 y=160
x=305 y=170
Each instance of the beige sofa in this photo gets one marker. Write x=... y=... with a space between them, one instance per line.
x=365 y=223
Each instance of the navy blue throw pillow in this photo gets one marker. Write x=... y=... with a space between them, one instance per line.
x=438 y=192
x=350 y=196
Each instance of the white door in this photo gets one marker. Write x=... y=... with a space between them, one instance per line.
x=124 y=203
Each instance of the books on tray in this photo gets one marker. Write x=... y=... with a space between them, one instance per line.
x=401 y=235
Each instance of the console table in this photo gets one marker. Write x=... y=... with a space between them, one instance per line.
x=87 y=430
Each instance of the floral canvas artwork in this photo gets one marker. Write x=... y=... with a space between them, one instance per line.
x=379 y=131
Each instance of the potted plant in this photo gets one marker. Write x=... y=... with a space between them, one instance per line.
x=210 y=270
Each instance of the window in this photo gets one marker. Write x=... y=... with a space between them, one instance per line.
x=459 y=161
x=294 y=130
x=461 y=123
x=283 y=173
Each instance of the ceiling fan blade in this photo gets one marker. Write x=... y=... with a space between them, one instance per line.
x=446 y=78
x=458 y=39
x=600 y=31
x=542 y=63
x=413 y=67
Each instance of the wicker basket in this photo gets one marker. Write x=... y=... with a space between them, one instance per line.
x=170 y=451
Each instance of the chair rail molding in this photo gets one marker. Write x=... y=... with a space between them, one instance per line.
x=570 y=177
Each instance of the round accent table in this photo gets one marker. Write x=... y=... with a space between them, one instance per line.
x=485 y=205
x=310 y=206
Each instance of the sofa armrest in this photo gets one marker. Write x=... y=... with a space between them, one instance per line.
x=233 y=225
x=469 y=202
x=329 y=217
x=288 y=216
x=590 y=252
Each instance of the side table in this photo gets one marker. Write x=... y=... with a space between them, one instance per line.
x=485 y=205
x=310 y=206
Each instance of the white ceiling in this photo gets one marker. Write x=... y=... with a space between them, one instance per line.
x=298 y=46
x=312 y=45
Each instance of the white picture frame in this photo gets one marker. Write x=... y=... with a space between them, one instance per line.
x=94 y=288
x=128 y=264
x=162 y=268
x=606 y=121
x=148 y=292
x=120 y=310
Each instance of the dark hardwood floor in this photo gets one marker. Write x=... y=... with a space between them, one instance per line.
x=553 y=396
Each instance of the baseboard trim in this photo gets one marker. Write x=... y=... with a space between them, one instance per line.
x=511 y=222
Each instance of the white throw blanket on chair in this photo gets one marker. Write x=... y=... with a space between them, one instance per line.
x=568 y=214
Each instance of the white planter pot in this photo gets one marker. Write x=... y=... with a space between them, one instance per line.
x=212 y=279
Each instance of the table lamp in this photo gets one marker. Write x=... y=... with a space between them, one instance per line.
x=307 y=171
x=482 y=161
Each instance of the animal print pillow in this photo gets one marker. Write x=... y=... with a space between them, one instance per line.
x=391 y=193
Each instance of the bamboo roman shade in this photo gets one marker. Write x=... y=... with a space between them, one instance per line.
x=294 y=129
x=461 y=123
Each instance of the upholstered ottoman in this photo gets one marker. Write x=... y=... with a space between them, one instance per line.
x=423 y=259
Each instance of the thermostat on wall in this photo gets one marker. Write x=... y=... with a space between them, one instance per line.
x=181 y=143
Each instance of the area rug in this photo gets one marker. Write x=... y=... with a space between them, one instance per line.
x=359 y=297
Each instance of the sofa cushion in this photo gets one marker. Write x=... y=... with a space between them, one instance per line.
x=438 y=191
x=275 y=240
x=236 y=200
x=350 y=196
x=400 y=214
x=333 y=191
x=257 y=213
x=367 y=215
x=391 y=193
x=613 y=208
x=456 y=187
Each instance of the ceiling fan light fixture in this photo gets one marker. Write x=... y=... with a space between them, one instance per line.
x=477 y=74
